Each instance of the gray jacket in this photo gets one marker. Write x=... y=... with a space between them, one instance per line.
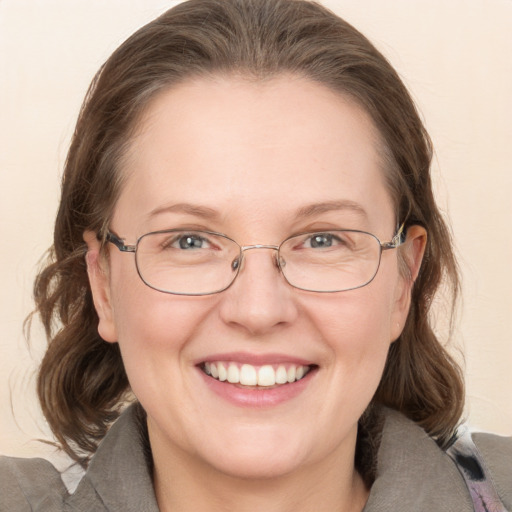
x=413 y=475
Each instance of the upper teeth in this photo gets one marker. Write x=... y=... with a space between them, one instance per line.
x=249 y=375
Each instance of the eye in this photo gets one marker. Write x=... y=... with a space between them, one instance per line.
x=188 y=241
x=322 y=240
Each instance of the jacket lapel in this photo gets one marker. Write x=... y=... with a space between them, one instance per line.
x=118 y=478
x=413 y=473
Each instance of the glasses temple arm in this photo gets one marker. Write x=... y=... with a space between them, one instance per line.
x=119 y=243
x=397 y=240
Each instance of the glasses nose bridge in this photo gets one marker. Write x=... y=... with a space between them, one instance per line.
x=258 y=246
x=276 y=248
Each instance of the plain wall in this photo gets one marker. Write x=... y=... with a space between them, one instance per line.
x=455 y=57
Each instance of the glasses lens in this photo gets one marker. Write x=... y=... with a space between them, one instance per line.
x=187 y=262
x=330 y=261
x=202 y=262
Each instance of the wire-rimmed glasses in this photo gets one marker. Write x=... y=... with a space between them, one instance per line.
x=190 y=262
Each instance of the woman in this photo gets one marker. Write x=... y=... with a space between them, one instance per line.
x=268 y=172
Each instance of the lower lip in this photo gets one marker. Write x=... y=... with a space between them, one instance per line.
x=257 y=397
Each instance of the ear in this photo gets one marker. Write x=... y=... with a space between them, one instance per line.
x=97 y=272
x=412 y=252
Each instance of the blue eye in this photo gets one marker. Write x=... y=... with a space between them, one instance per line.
x=191 y=241
x=186 y=242
x=323 y=240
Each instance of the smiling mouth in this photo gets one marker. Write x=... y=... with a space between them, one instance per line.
x=264 y=376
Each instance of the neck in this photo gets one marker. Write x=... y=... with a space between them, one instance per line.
x=187 y=485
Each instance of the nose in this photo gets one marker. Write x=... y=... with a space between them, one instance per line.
x=260 y=299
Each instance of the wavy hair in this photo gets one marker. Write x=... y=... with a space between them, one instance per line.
x=82 y=382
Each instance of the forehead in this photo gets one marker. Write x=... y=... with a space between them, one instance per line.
x=238 y=147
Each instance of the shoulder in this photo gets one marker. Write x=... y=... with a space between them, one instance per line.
x=118 y=477
x=496 y=454
x=485 y=463
x=414 y=473
x=30 y=484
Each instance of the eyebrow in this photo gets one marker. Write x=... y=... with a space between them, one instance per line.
x=318 y=208
x=191 y=209
x=305 y=211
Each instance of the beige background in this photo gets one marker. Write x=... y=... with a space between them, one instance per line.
x=454 y=55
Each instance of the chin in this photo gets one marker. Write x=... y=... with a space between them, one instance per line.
x=258 y=454
x=257 y=466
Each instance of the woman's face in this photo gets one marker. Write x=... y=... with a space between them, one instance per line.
x=257 y=161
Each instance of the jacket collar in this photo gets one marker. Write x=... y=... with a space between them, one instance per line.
x=413 y=473
x=118 y=477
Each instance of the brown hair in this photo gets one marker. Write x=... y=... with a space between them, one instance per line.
x=82 y=381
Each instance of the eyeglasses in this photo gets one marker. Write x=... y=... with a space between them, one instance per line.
x=189 y=262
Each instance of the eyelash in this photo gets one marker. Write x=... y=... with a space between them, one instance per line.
x=168 y=243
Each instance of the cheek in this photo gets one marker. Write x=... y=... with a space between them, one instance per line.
x=148 y=318
x=354 y=321
x=154 y=330
x=356 y=328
